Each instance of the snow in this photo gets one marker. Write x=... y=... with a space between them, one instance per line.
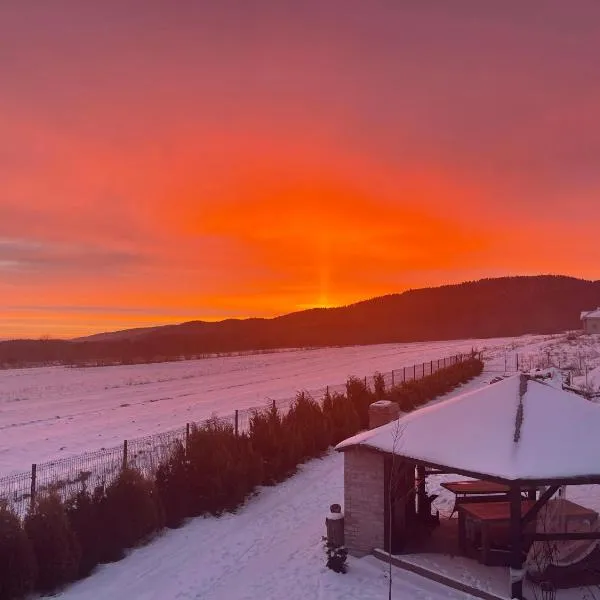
x=475 y=432
x=57 y=412
x=271 y=549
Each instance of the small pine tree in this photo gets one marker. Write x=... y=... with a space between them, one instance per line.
x=358 y=394
x=379 y=386
x=336 y=557
x=83 y=512
x=130 y=511
x=17 y=561
x=269 y=440
x=54 y=543
x=172 y=484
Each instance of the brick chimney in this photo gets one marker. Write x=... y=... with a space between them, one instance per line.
x=382 y=412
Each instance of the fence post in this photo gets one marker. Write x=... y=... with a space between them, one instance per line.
x=431 y=367
x=33 y=480
x=414 y=372
x=392 y=377
x=236 y=422
x=124 y=455
x=438 y=364
x=187 y=436
x=366 y=384
x=404 y=374
x=274 y=405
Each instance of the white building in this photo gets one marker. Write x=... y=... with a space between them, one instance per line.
x=591 y=321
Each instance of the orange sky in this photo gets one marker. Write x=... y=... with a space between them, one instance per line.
x=162 y=162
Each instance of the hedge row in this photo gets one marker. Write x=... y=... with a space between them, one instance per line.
x=59 y=542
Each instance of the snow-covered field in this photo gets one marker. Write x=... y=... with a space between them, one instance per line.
x=57 y=412
x=272 y=547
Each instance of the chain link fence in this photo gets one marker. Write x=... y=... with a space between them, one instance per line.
x=66 y=477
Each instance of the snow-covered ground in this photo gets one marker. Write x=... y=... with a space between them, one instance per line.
x=57 y=412
x=272 y=547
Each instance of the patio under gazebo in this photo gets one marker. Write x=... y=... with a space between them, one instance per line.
x=518 y=441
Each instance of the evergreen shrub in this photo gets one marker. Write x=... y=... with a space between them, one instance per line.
x=54 y=543
x=17 y=560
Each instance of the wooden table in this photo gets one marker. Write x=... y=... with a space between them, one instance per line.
x=484 y=515
x=476 y=491
x=475 y=487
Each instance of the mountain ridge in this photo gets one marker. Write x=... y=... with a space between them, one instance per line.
x=490 y=307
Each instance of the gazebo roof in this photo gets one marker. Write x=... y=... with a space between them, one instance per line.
x=477 y=433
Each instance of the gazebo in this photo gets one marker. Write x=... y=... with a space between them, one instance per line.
x=523 y=434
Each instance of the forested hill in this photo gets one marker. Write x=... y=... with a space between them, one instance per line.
x=506 y=306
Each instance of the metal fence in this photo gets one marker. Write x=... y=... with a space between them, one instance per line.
x=67 y=476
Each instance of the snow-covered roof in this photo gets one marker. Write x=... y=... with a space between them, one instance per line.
x=590 y=314
x=559 y=435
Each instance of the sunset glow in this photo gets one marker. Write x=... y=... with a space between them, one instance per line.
x=164 y=162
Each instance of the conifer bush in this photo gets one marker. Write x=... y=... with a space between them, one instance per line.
x=223 y=468
x=172 y=484
x=341 y=417
x=361 y=398
x=306 y=425
x=130 y=512
x=84 y=512
x=17 y=560
x=54 y=543
x=379 y=386
x=269 y=440
x=412 y=394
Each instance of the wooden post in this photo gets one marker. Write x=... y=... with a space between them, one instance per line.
x=366 y=384
x=124 y=466
x=403 y=374
x=516 y=558
x=392 y=377
x=335 y=526
x=187 y=436
x=274 y=405
x=33 y=481
x=422 y=504
x=431 y=367
x=414 y=372
x=237 y=430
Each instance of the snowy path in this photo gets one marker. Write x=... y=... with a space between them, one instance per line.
x=270 y=549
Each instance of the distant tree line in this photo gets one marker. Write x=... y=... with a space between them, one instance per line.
x=508 y=306
x=214 y=472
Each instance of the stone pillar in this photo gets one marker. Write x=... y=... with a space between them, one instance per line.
x=364 y=501
x=382 y=412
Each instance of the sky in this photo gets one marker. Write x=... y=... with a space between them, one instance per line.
x=168 y=161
